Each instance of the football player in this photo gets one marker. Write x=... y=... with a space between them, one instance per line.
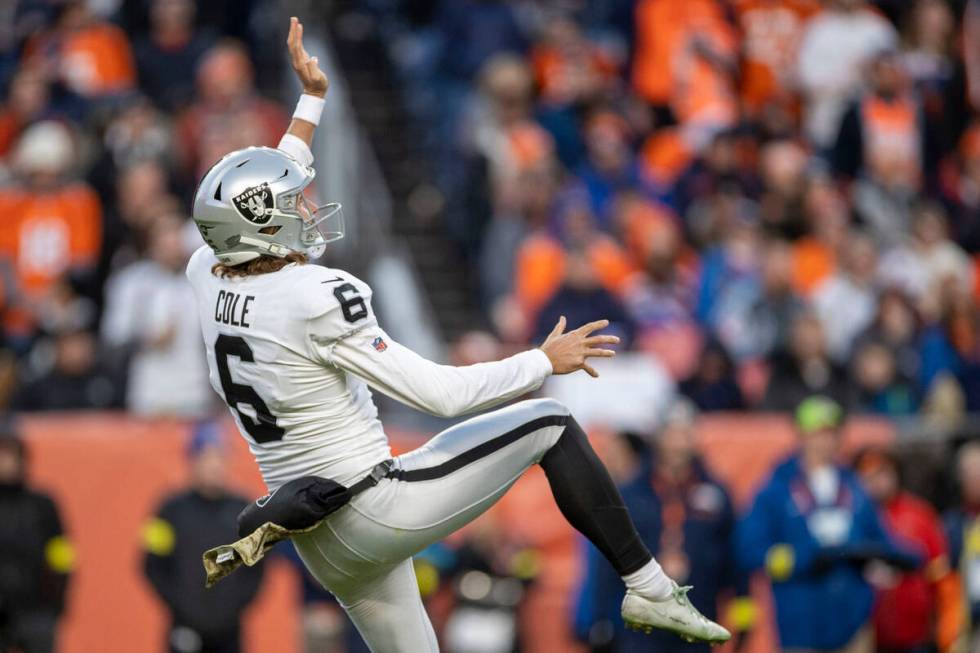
x=293 y=349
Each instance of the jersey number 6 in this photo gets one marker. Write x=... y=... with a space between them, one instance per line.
x=351 y=303
x=263 y=427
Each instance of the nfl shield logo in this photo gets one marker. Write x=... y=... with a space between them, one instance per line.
x=379 y=344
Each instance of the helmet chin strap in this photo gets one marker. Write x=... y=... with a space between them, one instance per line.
x=274 y=249
x=280 y=251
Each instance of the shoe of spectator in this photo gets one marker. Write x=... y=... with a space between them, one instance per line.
x=675 y=613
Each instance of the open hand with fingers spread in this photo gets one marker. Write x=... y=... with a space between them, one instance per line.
x=307 y=68
x=569 y=352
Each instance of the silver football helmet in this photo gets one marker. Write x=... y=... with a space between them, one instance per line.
x=251 y=203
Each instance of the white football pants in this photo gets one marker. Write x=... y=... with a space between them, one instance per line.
x=362 y=553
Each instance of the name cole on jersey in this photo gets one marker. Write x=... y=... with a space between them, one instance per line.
x=232 y=309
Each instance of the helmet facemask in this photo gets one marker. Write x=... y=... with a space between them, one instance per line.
x=321 y=224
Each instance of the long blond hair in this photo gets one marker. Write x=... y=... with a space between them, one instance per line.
x=261 y=265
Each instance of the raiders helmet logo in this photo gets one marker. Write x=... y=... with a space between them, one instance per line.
x=255 y=204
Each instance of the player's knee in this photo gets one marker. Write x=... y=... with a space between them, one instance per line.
x=546 y=407
x=545 y=438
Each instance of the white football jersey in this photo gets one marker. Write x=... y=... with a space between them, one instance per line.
x=290 y=352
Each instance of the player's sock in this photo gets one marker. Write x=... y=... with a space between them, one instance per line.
x=650 y=581
x=590 y=501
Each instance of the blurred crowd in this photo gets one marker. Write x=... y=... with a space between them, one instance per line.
x=109 y=113
x=857 y=562
x=771 y=197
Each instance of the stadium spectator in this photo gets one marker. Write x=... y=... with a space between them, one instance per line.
x=497 y=143
x=140 y=193
x=687 y=519
x=783 y=170
x=145 y=315
x=917 y=609
x=683 y=65
x=771 y=31
x=757 y=313
x=929 y=58
x=962 y=528
x=713 y=386
x=36 y=557
x=54 y=224
x=137 y=133
x=568 y=68
x=173 y=47
x=928 y=260
x=836 y=45
x=804 y=369
x=582 y=299
x=950 y=350
x=811 y=529
x=661 y=300
x=90 y=56
x=610 y=168
x=726 y=266
x=884 y=144
x=716 y=170
x=542 y=257
x=881 y=134
x=879 y=386
x=78 y=378
x=227 y=112
x=896 y=326
x=845 y=302
x=187 y=523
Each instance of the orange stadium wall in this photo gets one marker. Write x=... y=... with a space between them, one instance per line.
x=108 y=472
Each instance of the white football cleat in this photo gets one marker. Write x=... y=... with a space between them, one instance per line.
x=675 y=613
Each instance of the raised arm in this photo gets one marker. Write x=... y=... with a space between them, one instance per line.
x=299 y=137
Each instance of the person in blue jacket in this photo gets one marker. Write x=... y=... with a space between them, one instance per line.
x=685 y=516
x=813 y=529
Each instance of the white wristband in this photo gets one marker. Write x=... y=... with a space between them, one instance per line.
x=309 y=108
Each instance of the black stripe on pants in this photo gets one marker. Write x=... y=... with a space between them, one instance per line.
x=580 y=484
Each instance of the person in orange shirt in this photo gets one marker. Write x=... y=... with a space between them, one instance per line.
x=881 y=135
x=684 y=59
x=53 y=224
x=541 y=260
x=92 y=57
x=771 y=31
x=568 y=68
